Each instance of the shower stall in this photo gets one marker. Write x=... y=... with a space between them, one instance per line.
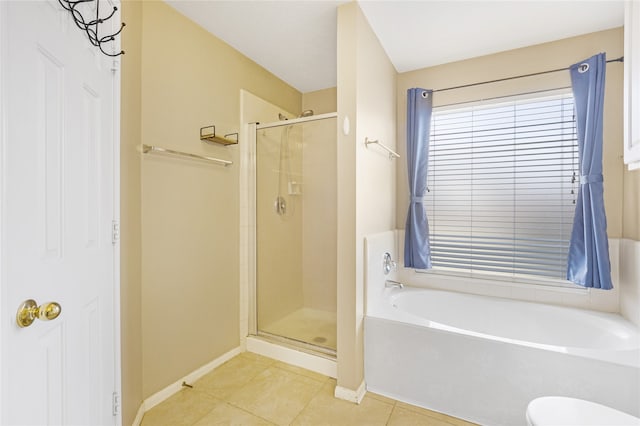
x=296 y=231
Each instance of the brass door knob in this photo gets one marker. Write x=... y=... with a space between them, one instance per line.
x=29 y=311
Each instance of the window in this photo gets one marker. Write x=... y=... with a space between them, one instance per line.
x=502 y=184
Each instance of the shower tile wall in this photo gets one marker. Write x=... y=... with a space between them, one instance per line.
x=319 y=244
x=279 y=236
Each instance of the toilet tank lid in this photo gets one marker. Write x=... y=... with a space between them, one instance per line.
x=560 y=410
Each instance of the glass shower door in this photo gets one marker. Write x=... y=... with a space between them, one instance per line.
x=296 y=233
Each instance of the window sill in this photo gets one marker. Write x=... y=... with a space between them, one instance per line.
x=498 y=279
x=569 y=295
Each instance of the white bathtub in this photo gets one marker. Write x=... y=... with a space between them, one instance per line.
x=483 y=359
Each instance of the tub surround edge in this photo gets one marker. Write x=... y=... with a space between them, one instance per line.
x=350 y=394
x=630 y=280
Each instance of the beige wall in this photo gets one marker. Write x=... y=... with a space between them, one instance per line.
x=320 y=101
x=190 y=229
x=557 y=54
x=366 y=190
x=130 y=204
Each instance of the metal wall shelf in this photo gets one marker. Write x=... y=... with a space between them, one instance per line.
x=208 y=135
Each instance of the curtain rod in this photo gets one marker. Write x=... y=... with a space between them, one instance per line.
x=620 y=59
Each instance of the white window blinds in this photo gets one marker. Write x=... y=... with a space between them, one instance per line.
x=501 y=186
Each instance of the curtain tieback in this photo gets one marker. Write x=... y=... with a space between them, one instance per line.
x=417 y=199
x=596 y=178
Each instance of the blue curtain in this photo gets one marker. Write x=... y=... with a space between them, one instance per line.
x=588 y=263
x=417 y=253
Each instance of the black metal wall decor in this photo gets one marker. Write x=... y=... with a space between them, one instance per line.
x=92 y=27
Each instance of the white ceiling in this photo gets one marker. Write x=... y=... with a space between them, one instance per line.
x=296 y=40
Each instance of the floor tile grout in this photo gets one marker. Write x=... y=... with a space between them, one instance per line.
x=277 y=366
x=393 y=408
x=205 y=414
x=244 y=374
x=250 y=412
x=308 y=402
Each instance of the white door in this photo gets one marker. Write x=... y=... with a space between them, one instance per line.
x=58 y=200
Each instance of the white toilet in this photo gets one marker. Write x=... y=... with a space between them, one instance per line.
x=563 y=411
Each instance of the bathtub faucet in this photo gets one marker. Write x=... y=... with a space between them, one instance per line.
x=393 y=284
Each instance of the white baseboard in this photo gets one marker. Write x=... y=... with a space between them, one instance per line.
x=291 y=356
x=139 y=415
x=175 y=387
x=351 y=395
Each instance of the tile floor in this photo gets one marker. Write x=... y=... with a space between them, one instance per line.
x=253 y=390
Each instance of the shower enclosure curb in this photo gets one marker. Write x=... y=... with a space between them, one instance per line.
x=292 y=356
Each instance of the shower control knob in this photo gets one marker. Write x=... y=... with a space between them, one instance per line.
x=280 y=205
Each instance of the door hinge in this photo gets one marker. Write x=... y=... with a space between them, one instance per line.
x=116 y=403
x=115 y=232
x=115 y=66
